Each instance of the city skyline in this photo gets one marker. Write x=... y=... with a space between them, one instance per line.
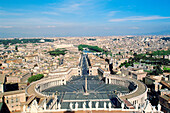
x=83 y=18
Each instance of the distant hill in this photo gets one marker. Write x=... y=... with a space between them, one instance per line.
x=15 y=35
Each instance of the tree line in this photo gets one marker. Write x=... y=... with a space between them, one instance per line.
x=144 y=58
x=57 y=52
x=91 y=48
x=35 y=78
x=22 y=41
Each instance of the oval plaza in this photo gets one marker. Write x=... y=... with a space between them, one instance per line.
x=87 y=87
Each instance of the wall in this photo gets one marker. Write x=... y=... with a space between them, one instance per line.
x=13 y=101
x=13 y=79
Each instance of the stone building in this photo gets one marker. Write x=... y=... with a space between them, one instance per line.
x=14 y=99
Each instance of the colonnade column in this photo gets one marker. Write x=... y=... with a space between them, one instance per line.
x=106 y=80
x=64 y=82
x=109 y=80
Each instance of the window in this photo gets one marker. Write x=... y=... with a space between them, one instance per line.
x=7 y=101
x=16 y=99
x=12 y=101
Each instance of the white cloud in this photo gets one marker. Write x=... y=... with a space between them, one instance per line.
x=79 y=7
x=136 y=18
x=6 y=26
x=51 y=26
x=2 y=12
x=112 y=13
x=134 y=27
x=43 y=22
x=70 y=8
x=50 y=13
x=38 y=27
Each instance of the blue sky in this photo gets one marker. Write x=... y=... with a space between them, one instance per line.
x=83 y=17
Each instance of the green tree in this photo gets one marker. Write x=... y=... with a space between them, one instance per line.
x=58 y=52
x=35 y=78
x=157 y=70
x=16 y=48
x=166 y=69
x=91 y=48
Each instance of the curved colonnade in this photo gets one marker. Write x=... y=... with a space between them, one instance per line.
x=35 y=88
x=138 y=93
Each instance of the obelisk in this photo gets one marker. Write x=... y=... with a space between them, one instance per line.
x=86 y=93
x=86 y=84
